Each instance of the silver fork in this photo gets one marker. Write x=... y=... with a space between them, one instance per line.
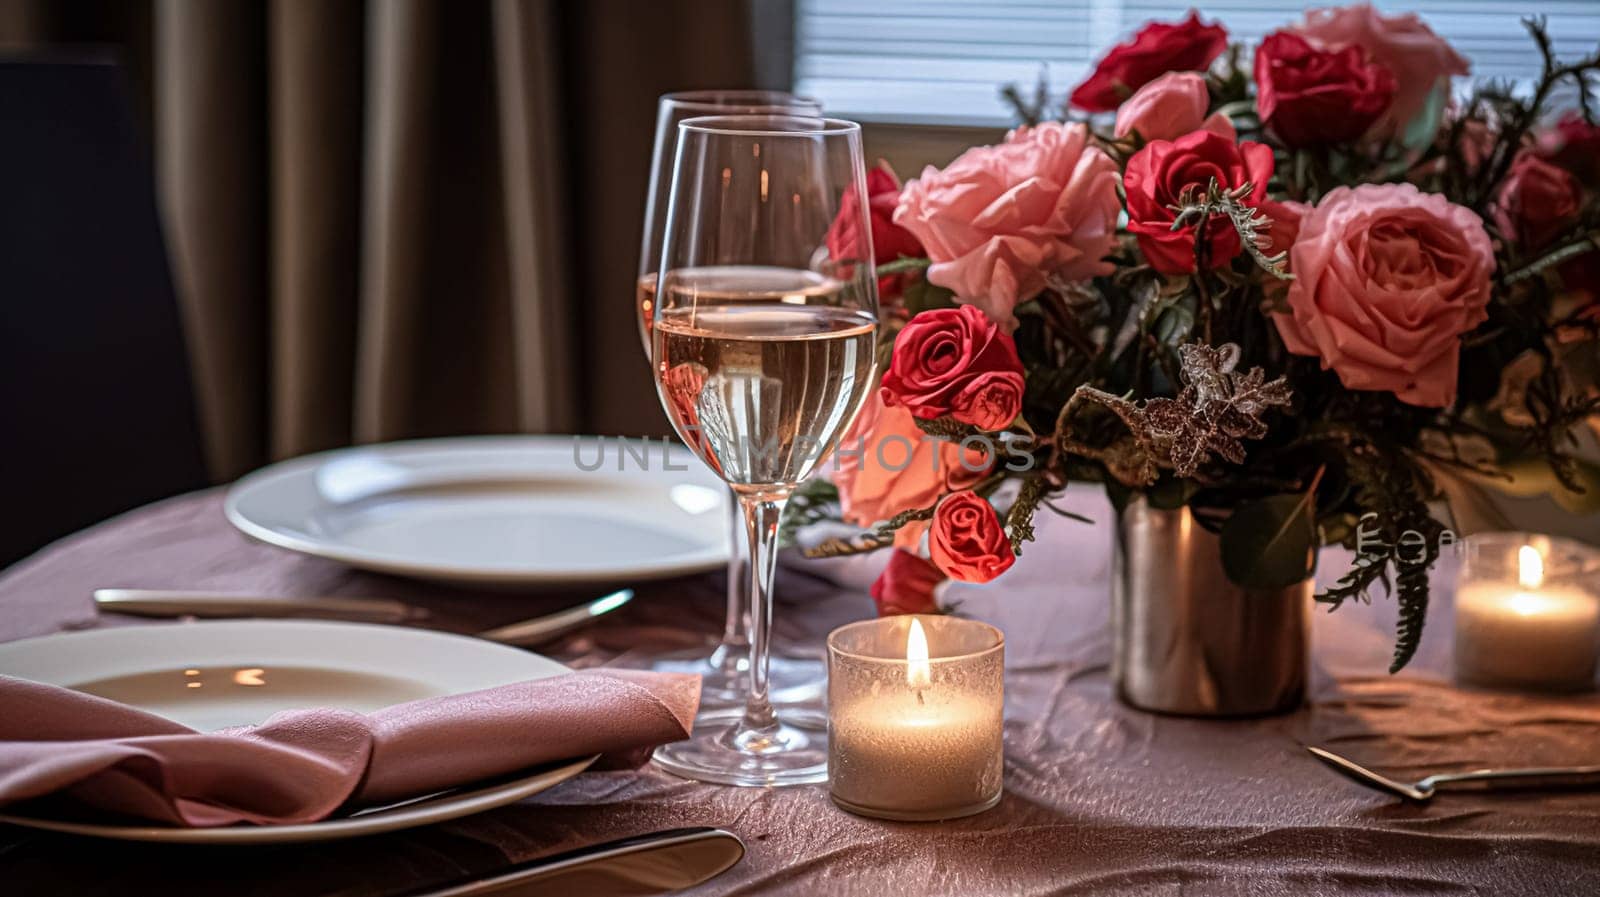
x=1423 y=790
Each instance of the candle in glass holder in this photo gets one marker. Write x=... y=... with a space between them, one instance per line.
x=915 y=717
x=1525 y=613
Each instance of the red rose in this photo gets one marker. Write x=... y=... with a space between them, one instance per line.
x=1155 y=181
x=1310 y=97
x=1574 y=144
x=956 y=362
x=1537 y=201
x=906 y=585
x=890 y=241
x=1158 y=48
x=967 y=540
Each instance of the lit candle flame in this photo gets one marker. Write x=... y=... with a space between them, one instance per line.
x=1530 y=567
x=918 y=673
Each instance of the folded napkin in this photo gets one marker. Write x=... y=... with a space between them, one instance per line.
x=302 y=765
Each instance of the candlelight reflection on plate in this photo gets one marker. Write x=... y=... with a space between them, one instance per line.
x=915 y=717
x=1526 y=613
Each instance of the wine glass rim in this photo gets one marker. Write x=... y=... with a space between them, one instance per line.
x=746 y=125
x=747 y=99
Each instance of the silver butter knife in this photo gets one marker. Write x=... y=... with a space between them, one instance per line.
x=1423 y=790
x=163 y=603
x=658 y=863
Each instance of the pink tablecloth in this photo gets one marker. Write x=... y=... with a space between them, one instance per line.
x=1099 y=798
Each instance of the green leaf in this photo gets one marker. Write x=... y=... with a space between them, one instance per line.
x=815 y=501
x=921 y=296
x=902 y=264
x=1174 y=323
x=1420 y=131
x=1270 y=543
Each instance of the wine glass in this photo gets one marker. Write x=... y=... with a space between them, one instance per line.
x=762 y=351
x=724 y=672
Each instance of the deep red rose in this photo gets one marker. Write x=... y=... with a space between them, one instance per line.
x=956 y=362
x=1537 y=201
x=890 y=241
x=1158 y=48
x=967 y=540
x=1310 y=97
x=906 y=585
x=1574 y=144
x=1155 y=180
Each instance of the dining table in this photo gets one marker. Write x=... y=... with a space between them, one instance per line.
x=1099 y=798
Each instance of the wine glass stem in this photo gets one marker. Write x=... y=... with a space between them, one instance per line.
x=761 y=513
x=738 y=620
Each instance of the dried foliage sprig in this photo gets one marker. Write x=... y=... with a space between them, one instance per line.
x=1197 y=207
x=872 y=540
x=1216 y=409
x=1019 y=520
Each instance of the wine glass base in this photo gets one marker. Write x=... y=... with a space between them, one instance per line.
x=794 y=752
x=725 y=677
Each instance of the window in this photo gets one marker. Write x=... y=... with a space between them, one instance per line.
x=943 y=61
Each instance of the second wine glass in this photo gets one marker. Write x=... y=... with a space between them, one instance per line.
x=724 y=671
x=763 y=353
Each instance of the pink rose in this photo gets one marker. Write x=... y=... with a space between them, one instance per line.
x=1420 y=60
x=1170 y=107
x=1000 y=221
x=1387 y=279
x=886 y=464
x=907 y=585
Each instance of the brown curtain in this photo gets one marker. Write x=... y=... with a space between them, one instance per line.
x=404 y=218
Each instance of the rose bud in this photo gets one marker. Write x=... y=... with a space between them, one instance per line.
x=967 y=540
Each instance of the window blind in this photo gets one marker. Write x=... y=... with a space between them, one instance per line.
x=943 y=61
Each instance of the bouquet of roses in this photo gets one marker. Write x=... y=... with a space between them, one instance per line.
x=1303 y=298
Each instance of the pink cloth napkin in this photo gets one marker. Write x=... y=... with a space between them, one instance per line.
x=302 y=765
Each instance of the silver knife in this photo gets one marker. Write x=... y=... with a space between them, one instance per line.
x=164 y=603
x=658 y=863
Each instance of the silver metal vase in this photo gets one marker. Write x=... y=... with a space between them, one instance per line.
x=1187 y=640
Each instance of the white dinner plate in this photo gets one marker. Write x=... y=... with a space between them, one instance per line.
x=212 y=675
x=500 y=510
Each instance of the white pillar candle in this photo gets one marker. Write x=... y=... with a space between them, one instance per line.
x=915 y=730
x=1527 y=633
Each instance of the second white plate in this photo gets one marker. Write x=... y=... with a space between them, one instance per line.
x=218 y=674
x=512 y=510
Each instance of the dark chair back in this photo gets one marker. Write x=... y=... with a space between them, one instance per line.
x=96 y=406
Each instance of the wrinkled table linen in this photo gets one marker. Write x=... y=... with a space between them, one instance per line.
x=1099 y=798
